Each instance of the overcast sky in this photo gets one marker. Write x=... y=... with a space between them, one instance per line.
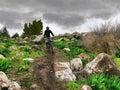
x=61 y=15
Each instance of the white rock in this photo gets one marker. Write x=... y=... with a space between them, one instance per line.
x=76 y=64
x=1 y=56
x=28 y=59
x=67 y=49
x=14 y=86
x=38 y=38
x=65 y=75
x=4 y=82
x=63 y=71
x=86 y=87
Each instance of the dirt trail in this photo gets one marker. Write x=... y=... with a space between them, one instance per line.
x=44 y=74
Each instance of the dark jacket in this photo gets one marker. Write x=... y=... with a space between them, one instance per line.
x=47 y=33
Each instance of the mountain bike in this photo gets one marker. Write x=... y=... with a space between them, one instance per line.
x=49 y=46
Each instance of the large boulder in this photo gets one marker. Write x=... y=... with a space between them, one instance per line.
x=4 y=81
x=38 y=39
x=6 y=84
x=76 y=64
x=14 y=86
x=63 y=72
x=103 y=63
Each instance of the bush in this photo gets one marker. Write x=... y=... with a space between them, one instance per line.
x=34 y=28
x=5 y=65
x=101 y=39
x=117 y=54
x=15 y=35
x=24 y=66
x=84 y=61
x=74 y=51
x=60 y=44
x=101 y=82
x=73 y=86
x=4 y=51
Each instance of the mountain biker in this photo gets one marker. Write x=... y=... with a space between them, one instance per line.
x=47 y=34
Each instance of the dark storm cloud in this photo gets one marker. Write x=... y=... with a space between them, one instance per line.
x=63 y=20
x=66 y=13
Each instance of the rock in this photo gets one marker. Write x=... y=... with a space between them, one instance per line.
x=63 y=72
x=6 y=84
x=13 y=47
x=76 y=64
x=26 y=39
x=34 y=86
x=103 y=63
x=38 y=39
x=1 y=56
x=86 y=87
x=4 y=81
x=35 y=47
x=84 y=56
x=29 y=59
x=66 y=49
x=65 y=75
x=14 y=86
x=22 y=47
x=76 y=35
x=62 y=39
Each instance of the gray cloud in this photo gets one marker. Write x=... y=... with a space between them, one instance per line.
x=66 y=13
x=63 y=20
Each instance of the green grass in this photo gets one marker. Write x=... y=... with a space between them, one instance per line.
x=100 y=82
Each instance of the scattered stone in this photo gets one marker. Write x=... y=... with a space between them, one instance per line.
x=86 y=87
x=61 y=66
x=76 y=35
x=38 y=39
x=76 y=64
x=63 y=72
x=66 y=49
x=1 y=56
x=35 y=47
x=4 y=81
x=14 y=86
x=65 y=75
x=34 y=86
x=13 y=47
x=84 y=56
x=29 y=59
x=26 y=39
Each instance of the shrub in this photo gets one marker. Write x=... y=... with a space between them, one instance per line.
x=24 y=66
x=117 y=61
x=60 y=44
x=74 y=51
x=34 y=28
x=5 y=65
x=117 y=54
x=101 y=39
x=73 y=86
x=101 y=82
x=15 y=35
x=84 y=61
x=4 y=51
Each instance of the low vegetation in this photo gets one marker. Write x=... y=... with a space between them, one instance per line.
x=97 y=82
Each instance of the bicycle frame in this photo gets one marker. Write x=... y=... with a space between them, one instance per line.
x=49 y=46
